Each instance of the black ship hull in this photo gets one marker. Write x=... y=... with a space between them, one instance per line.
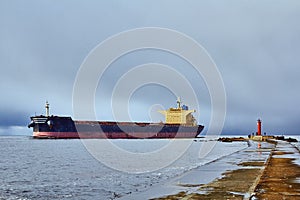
x=57 y=127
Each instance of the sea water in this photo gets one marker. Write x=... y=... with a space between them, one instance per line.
x=64 y=169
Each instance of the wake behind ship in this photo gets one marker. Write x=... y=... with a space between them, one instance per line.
x=179 y=123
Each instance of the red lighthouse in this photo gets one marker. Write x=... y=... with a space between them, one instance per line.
x=258 y=127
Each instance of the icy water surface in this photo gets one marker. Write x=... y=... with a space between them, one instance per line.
x=63 y=169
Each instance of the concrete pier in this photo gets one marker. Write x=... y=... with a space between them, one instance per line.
x=264 y=170
x=281 y=177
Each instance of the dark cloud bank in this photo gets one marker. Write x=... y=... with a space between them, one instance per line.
x=255 y=45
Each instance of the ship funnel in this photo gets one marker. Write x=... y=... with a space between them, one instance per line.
x=47 y=109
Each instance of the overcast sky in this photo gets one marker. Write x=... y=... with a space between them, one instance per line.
x=255 y=45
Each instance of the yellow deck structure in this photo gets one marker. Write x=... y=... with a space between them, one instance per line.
x=179 y=115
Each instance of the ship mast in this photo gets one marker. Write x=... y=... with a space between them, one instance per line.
x=47 y=109
x=178 y=102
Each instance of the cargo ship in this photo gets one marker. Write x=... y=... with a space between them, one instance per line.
x=179 y=123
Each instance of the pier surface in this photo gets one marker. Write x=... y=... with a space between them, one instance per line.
x=281 y=177
x=264 y=170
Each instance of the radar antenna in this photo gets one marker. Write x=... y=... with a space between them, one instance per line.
x=178 y=102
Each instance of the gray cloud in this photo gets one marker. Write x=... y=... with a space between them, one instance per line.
x=255 y=45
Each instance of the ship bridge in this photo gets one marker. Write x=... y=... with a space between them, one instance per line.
x=179 y=115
